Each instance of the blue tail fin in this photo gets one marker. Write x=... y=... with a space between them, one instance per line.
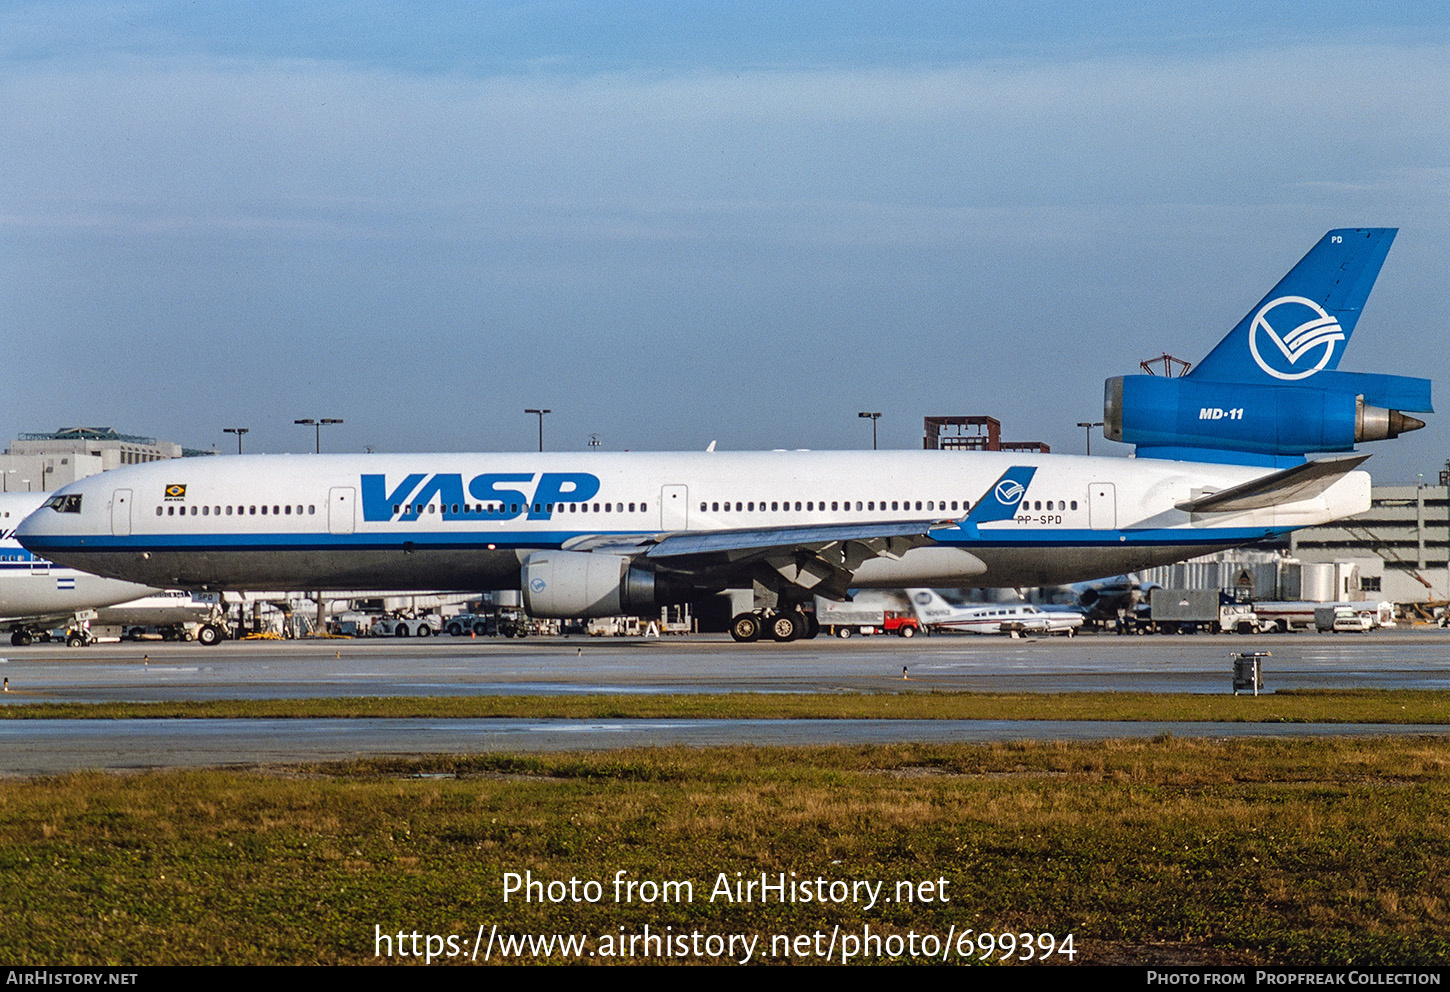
x=1303 y=325
x=1002 y=500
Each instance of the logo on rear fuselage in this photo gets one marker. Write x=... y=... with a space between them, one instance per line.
x=502 y=495
x=1313 y=331
x=1009 y=491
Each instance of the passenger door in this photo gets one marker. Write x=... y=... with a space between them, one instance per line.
x=1102 y=506
x=340 y=500
x=121 y=513
x=674 y=507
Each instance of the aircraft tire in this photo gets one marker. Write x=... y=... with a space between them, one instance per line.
x=746 y=628
x=813 y=627
x=208 y=635
x=786 y=626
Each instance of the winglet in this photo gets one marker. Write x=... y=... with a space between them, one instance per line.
x=1001 y=501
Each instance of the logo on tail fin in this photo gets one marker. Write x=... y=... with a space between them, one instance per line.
x=1312 y=328
x=1001 y=501
x=1009 y=492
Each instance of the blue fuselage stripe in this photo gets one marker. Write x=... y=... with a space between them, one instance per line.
x=436 y=540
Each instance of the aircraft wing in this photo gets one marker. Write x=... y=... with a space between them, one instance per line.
x=819 y=557
x=1289 y=486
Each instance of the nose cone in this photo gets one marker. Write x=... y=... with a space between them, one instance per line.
x=31 y=531
x=50 y=524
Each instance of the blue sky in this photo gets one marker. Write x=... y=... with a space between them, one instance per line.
x=674 y=223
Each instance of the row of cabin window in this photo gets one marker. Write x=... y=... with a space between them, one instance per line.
x=930 y=505
x=469 y=508
x=811 y=505
x=241 y=511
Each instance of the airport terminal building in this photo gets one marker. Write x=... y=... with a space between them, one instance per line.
x=42 y=462
x=1400 y=549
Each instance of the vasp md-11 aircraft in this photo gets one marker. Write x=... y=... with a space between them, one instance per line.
x=1221 y=461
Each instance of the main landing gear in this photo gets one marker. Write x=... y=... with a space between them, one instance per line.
x=790 y=625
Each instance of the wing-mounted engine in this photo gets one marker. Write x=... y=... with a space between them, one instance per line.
x=583 y=584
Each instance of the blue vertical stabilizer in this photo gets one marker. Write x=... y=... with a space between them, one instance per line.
x=1303 y=325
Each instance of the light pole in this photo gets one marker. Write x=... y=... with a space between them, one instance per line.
x=238 y=431
x=873 y=417
x=540 y=414
x=318 y=424
x=1087 y=426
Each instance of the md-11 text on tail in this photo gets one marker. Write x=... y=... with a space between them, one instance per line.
x=1221 y=462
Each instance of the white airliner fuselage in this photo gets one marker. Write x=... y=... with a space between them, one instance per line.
x=820 y=521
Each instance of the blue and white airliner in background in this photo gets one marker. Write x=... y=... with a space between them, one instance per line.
x=1221 y=461
x=37 y=595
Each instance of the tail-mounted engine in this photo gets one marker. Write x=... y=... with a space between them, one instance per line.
x=1166 y=416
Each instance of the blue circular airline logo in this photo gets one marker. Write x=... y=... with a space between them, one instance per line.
x=1009 y=491
x=924 y=598
x=1293 y=338
x=537 y=585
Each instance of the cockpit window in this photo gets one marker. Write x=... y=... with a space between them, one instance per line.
x=68 y=503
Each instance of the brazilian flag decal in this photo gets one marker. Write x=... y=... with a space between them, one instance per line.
x=176 y=491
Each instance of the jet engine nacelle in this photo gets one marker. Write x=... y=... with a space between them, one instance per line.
x=562 y=584
x=1157 y=412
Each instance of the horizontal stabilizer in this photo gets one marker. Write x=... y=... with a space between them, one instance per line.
x=1289 y=486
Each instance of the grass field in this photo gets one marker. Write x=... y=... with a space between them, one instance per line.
x=1158 y=851
x=1303 y=706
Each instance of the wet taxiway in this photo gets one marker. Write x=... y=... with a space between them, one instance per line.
x=1407 y=659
